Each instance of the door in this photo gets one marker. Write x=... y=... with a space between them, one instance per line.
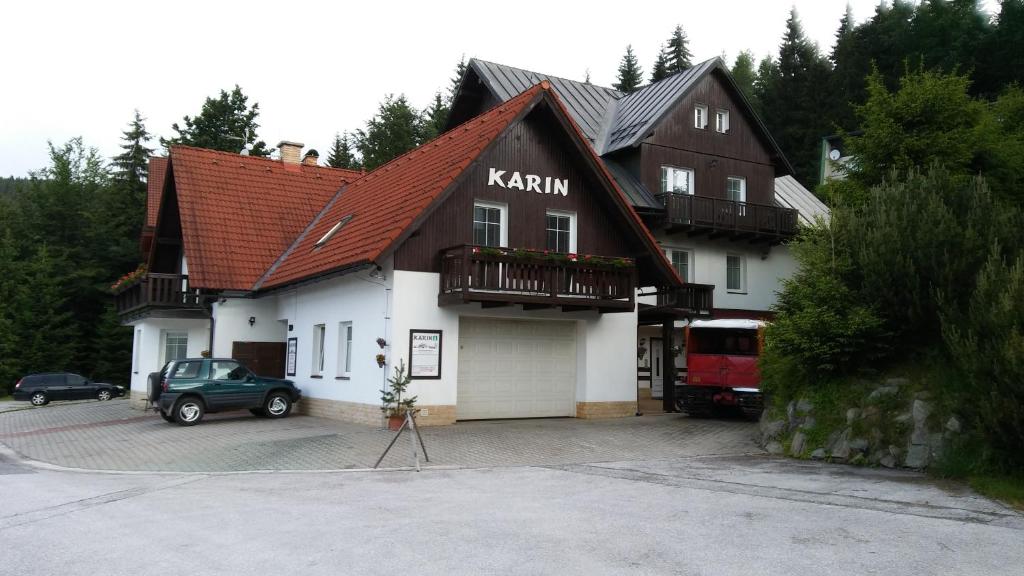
x=80 y=388
x=262 y=358
x=56 y=387
x=229 y=386
x=657 y=378
x=516 y=369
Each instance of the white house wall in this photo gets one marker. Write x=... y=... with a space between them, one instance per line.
x=232 y=323
x=148 y=348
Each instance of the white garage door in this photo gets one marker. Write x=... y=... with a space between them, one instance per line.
x=516 y=369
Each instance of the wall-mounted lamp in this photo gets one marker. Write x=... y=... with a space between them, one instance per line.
x=252 y=320
x=713 y=164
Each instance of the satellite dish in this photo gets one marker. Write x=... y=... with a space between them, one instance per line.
x=835 y=154
x=244 y=152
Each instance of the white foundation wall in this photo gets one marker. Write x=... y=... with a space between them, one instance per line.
x=605 y=344
x=148 y=346
x=355 y=298
x=765 y=269
x=232 y=323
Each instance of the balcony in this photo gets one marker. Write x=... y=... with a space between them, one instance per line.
x=691 y=299
x=503 y=276
x=160 y=291
x=728 y=218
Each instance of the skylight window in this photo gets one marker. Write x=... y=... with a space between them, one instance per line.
x=334 y=230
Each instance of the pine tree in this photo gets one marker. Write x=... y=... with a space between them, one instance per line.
x=132 y=166
x=456 y=81
x=744 y=74
x=677 y=54
x=434 y=118
x=794 y=106
x=12 y=288
x=42 y=317
x=660 y=69
x=226 y=123
x=630 y=73
x=341 y=155
x=393 y=131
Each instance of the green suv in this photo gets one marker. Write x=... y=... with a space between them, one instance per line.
x=185 y=390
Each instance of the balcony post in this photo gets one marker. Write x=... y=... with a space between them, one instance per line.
x=467 y=251
x=668 y=366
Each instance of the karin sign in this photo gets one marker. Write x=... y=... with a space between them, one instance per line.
x=528 y=183
x=425 y=354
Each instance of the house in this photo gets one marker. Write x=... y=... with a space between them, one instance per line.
x=705 y=175
x=518 y=265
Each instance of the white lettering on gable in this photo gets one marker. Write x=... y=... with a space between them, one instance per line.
x=533 y=182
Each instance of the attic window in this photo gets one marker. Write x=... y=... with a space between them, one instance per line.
x=334 y=230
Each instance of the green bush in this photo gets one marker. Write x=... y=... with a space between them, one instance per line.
x=986 y=342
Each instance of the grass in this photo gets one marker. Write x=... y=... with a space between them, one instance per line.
x=6 y=398
x=1006 y=489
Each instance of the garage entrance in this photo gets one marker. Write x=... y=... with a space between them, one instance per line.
x=516 y=369
x=263 y=358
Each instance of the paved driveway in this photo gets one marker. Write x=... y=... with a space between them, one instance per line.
x=111 y=436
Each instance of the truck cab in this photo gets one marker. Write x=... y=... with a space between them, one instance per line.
x=721 y=367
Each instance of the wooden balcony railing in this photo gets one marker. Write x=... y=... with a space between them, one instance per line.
x=698 y=299
x=157 y=291
x=717 y=215
x=504 y=276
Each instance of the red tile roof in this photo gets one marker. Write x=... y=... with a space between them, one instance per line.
x=388 y=200
x=239 y=213
x=154 y=188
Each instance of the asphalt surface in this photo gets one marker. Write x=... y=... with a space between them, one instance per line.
x=723 y=515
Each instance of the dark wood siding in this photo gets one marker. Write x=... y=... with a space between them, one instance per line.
x=533 y=146
x=709 y=172
x=740 y=152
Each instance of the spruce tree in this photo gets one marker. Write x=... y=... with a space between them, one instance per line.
x=42 y=317
x=744 y=74
x=434 y=119
x=12 y=289
x=677 y=53
x=630 y=73
x=341 y=155
x=846 y=82
x=393 y=131
x=131 y=167
x=456 y=81
x=660 y=69
x=226 y=123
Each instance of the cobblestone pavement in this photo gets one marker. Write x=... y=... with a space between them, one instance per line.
x=111 y=436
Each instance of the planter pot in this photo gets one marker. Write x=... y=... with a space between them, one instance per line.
x=395 y=422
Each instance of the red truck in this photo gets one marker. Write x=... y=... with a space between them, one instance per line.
x=721 y=367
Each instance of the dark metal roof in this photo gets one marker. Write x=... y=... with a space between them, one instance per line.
x=588 y=104
x=638 y=194
x=637 y=113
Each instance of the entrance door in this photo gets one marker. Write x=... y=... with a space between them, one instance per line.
x=516 y=369
x=262 y=358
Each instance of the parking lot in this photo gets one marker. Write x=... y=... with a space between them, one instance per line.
x=111 y=436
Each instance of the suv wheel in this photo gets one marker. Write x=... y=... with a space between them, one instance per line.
x=277 y=405
x=188 y=411
x=103 y=395
x=39 y=399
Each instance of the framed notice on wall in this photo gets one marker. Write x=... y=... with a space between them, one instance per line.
x=425 y=354
x=293 y=351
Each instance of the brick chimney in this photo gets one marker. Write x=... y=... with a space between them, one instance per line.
x=290 y=151
x=311 y=157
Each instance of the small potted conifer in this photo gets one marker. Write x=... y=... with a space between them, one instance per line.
x=394 y=404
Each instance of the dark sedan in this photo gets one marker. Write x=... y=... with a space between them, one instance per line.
x=40 y=389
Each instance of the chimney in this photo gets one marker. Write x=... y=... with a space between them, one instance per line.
x=290 y=151
x=311 y=157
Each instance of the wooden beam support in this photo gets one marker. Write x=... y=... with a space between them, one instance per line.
x=668 y=368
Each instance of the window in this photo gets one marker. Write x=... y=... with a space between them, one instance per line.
x=186 y=370
x=682 y=261
x=489 y=227
x=735 y=273
x=561 y=231
x=136 y=349
x=676 y=180
x=227 y=370
x=700 y=116
x=334 y=230
x=76 y=380
x=318 y=349
x=344 y=349
x=722 y=121
x=175 y=346
x=736 y=188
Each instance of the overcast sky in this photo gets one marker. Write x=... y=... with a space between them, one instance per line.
x=80 y=68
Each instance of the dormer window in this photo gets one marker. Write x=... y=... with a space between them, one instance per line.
x=334 y=230
x=722 y=121
x=700 y=116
